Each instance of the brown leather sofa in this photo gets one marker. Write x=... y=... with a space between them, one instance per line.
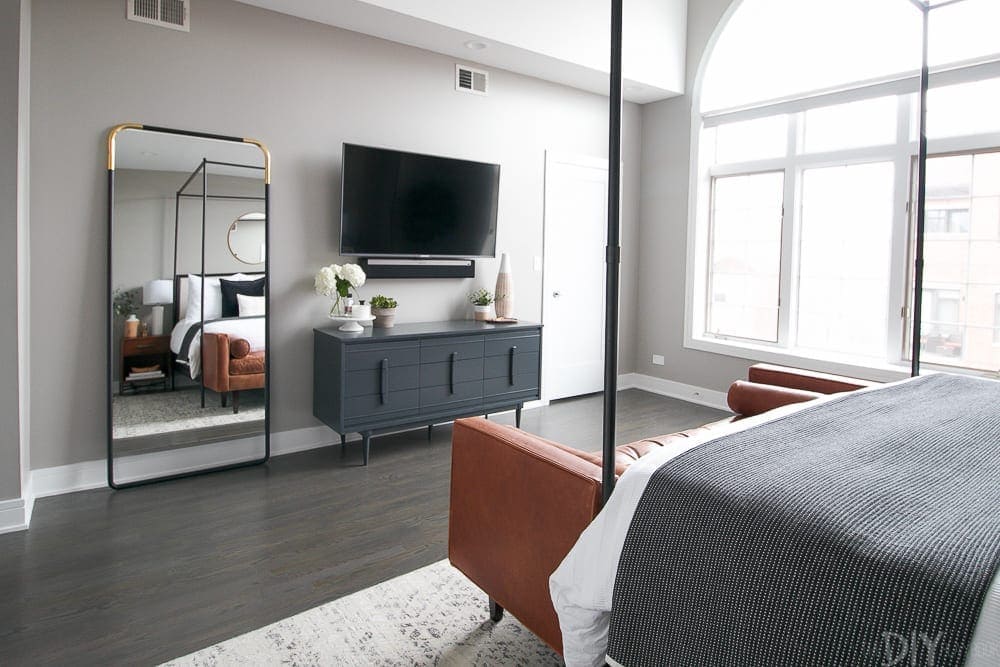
x=519 y=502
x=230 y=367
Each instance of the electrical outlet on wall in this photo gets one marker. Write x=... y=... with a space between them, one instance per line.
x=657 y=359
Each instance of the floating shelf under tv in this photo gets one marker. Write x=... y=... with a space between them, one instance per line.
x=405 y=267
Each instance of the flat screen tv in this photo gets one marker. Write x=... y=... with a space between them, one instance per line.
x=396 y=204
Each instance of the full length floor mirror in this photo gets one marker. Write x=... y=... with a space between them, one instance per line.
x=188 y=356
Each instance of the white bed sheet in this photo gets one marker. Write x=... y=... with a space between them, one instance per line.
x=250 y=328
x=583 y=584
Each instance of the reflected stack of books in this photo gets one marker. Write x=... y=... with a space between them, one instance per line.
x=145 y=373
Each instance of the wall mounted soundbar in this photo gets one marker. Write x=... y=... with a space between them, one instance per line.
x=419 y=268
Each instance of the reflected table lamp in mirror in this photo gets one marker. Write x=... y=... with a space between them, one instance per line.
x=158 y=293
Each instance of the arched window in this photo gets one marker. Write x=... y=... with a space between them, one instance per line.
x=805 y=159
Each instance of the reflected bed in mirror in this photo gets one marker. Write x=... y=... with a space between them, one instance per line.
x=188 y=322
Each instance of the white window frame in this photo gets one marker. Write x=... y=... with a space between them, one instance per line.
x=901 y=153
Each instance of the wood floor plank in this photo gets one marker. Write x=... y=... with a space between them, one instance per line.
x=144 y=575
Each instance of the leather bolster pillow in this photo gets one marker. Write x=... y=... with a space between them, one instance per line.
x=752 y=398
x=239 y=348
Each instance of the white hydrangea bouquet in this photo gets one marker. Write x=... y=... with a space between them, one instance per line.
x=336 y=281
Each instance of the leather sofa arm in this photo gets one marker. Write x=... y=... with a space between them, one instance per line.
x=518 y=504
x=750 y=398
x=215 y=364
x=797 y=378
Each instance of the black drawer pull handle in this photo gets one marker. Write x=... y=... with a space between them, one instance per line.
x=451 y=379
x=513 y=351
x=384 y=384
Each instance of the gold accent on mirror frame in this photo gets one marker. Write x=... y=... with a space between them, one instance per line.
x=112 y=135
x=267 y=158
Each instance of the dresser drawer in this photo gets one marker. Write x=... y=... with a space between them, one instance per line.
x=359 y=383
x=516 y=363
x=441 y=349
x=441 y=374
x=145 y=345
x=369 y=357
x=525 y=383
x=366 y=408
x=464 y=392
x=501 y=345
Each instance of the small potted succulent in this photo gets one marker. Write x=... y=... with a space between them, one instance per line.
x=481 y=301
x=384 y=310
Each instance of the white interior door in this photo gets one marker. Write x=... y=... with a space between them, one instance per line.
x=576 y=214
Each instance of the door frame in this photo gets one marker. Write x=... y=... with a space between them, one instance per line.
x=575 y=160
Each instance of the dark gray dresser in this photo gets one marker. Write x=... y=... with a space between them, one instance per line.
x=422 y=374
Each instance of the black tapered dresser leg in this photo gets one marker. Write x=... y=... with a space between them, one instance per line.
x=366 y=441
x=517 y=414
x=496 y=611
x=430 y=431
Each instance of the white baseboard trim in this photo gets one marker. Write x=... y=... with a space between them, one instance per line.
x=88 y=475
x=685 y=392
x=14 y=515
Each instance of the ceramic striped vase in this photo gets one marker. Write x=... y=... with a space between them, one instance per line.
x=505 y=289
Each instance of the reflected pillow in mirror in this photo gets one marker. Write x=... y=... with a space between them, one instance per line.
x=231 y=288
x=250 y=305
x=213 y=296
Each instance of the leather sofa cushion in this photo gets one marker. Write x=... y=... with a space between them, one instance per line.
x=750 y=398
x=239 y=348
x=626 y=455
x=795 y=378
x=251 y=363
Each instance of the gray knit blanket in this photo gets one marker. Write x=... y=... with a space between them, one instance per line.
x=862 y=531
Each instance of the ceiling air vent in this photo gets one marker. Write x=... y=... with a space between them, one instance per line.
x=173 y=14
x=471 y=80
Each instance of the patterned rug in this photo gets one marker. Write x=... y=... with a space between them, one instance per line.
x=169 y=411
x=432 y=616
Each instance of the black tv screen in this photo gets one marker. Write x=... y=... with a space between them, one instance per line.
x=397 y=204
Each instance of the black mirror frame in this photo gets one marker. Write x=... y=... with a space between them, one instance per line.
x=109 y=347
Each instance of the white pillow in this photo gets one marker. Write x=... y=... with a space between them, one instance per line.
x=213 y=296
x=250 y=305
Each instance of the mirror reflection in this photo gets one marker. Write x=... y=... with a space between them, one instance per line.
x=246 y=238
x=187 y=271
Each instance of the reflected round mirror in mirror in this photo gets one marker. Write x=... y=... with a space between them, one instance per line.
x=188 y=304
x=246 y=238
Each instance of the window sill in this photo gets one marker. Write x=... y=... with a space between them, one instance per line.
x=814 y=361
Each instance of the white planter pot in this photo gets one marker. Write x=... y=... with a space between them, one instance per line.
x=482 y=313
x=384 y=317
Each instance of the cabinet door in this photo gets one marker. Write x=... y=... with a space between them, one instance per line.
x=512 y=367
x=382 y=381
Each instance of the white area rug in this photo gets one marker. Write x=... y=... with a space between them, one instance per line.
x=432 y=616
x=168 y=411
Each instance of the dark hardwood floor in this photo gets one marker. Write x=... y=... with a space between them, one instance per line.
x=144 y=575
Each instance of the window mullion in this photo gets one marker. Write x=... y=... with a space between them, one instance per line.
x=788 y=218
x=899 y=270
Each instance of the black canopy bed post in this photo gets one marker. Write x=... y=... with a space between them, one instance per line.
x=204 y=217
x=613 y=253
x=925 y=7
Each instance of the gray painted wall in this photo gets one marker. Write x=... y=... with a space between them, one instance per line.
x=12 y=67
x=665 y=172
x=303 y=88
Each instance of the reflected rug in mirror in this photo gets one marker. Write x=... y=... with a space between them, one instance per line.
x=431 y=616
x=169 y=411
